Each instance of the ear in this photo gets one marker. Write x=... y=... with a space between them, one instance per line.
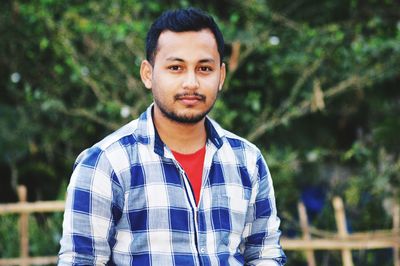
x=222 y=76
x=146 y=73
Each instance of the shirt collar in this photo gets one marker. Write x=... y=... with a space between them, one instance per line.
x=147 y=133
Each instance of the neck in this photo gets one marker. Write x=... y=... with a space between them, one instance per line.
x=180 y=137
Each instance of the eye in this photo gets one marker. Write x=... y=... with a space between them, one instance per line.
x=205 y=69
x=175 y=68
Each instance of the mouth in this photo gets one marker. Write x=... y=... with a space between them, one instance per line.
x=190 y=99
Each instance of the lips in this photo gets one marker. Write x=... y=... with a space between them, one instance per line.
x=190 y=99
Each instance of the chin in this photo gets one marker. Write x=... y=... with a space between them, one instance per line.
x=191 y=119
x=187 y=117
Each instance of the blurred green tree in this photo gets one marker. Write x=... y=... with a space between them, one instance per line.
x=314 y=84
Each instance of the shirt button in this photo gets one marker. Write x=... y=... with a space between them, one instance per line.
x=202 y=250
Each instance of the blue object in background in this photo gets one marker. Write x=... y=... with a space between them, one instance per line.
x=314 y=200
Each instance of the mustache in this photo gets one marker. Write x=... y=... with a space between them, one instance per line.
x=199 y=96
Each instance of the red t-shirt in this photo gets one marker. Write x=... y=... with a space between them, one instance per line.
x=193 y=166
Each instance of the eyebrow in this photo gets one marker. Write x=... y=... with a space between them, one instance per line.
x=205 y=60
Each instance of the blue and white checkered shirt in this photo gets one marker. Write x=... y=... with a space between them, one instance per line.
x=129 y=202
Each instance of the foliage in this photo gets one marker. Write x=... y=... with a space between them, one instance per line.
x=44 y=235
x=9 y=237
x=314 y=83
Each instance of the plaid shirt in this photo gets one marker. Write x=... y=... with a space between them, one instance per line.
x=129 y=202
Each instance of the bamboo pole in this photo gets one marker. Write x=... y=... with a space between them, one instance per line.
x=337 y=244
x=380 y=239
x=306 y=232
x=29 y=261
x=30 y=207
x=340 y=218
x=396 y=231
x=23 y=227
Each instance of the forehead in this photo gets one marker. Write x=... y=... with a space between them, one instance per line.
x=188 y=45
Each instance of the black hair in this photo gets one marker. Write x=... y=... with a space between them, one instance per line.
x=181 y=20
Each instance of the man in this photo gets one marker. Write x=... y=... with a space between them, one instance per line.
x=173 y=187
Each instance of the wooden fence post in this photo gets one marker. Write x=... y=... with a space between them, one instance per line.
x=23 y=227
x=306 y=232
x=340 y=218
x=396 y=231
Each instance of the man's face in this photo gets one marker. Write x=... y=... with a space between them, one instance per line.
x=186 y=75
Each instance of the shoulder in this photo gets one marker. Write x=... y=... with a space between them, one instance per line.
x=115 y=142
x=234 y=141
x=119 y=136
x=237 y=150
x=239 y=142
x=249 y=154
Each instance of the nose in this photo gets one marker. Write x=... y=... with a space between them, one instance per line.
x=190 y=81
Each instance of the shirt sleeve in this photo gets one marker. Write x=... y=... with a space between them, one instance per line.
x=93 y=206
x=261 y=235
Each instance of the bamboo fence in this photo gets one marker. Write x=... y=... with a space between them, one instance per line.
x=342 y=240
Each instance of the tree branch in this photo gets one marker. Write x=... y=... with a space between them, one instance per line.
x=80 y=112
x=304 y=107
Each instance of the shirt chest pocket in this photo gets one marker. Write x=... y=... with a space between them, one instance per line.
x=229 y=214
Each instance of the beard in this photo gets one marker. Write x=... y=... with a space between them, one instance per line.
x=184 y=118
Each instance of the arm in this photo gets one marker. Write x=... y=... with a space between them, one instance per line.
x=261 y=234
x=91 y=211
